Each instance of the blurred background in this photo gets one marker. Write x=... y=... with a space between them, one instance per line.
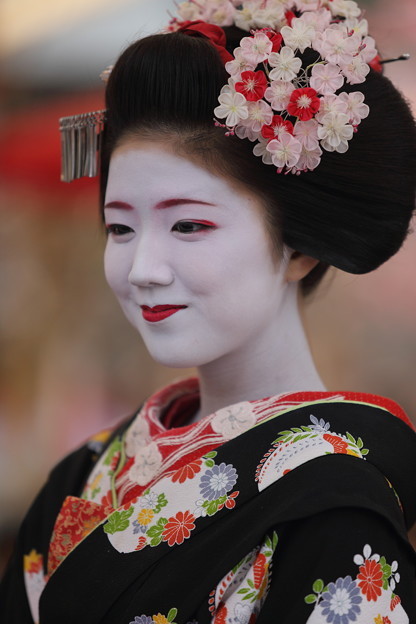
x=70 y=364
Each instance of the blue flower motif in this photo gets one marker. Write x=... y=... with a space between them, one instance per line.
x=138 y=528
x=319 y=425
x=340 y=601
x=142 y=619
x=217 y=481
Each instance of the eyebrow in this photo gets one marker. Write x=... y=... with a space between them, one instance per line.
x=167 y=203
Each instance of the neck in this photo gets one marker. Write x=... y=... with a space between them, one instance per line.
x=278 y=361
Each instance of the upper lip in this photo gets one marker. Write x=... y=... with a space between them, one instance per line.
x=161 y=308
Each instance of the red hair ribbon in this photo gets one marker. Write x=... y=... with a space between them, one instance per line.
x=214 y=34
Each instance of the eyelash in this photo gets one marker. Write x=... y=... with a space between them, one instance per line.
x=182 y=227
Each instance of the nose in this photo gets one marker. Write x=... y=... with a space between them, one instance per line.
x=150 y=265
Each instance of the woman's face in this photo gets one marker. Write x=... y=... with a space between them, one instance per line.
x=188 y=257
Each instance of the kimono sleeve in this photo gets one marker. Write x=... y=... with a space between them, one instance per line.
x=344 y=565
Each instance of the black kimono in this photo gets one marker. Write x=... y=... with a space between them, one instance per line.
x=293 y=509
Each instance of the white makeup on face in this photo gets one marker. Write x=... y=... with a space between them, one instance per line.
x=188 y=258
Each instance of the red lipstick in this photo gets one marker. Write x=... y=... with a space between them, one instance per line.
x=160 y=312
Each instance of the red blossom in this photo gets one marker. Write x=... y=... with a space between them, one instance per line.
x=276 y=39
x=304 y=103
x=259 y=570
x=278 y=124
x=289 y=15
x=394 y=602
x=340 y=446
x=376 y=65
x=178 y=528
x=370 y=579
x=253 y=85
x=187 y=472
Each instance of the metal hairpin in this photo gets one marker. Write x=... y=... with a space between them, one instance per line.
x=402 y=57
x=80 y=144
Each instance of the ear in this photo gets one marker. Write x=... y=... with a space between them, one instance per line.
x=299 y=266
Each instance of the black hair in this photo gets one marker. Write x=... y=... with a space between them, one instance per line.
x=352 y=211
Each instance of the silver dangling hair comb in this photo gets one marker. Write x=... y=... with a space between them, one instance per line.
x=80 y=145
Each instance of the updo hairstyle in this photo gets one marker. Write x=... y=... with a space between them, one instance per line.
x=352 y=211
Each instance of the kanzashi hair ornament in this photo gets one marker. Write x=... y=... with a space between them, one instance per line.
x=80 y=145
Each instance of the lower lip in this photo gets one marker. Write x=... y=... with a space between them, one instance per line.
x=156 y=315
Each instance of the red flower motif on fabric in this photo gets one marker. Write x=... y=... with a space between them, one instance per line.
x=178 y=528
x=107 y=502
x=253 y=85
x=277 y=126
x=304 y=103
x=230 y=502
x=221 y=614
x=141 y=543
x=396 y=600
x=187 y=472
x=340 y=446
x=370 y=579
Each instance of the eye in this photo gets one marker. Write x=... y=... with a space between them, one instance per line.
x=117 y=229
x=192 y=227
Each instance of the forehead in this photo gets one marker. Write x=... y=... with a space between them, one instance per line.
x=141 y=167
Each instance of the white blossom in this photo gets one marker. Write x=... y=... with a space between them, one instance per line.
x=368 y=49
x=260 y=149
x=307 y=133
x=331 y=104
x=335 y=132
x=285 y=150
x=239 y=64
x=298 y=36
x=356 y=70
x=259 y=114
x=233 y=106
x=278 y=94
x=286 y=65
x=337 y=47
x=256 y=49
x=356 y=109
x=326 y=78
x=309 y=159
x=319 y=20
x=345 y=8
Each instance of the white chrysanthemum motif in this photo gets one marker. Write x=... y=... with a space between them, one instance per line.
x=335 y=132
x=298 y=36
x=147 y=462
x=356 y=109
x=285 y=64
x=233 y=106
x=278 y=94
x=285 y=150
x=232 y=422
x=239 y=64
x=307 y=133
x=326 y=79
x=256 y=49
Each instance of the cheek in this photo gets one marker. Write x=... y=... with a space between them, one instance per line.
x=116 y=268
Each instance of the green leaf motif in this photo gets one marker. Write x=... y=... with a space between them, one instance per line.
x=161 y=502
x=250 y=583
x=210 y=455
x=95 y=492
x=310 y=599
x=118 y=521
x=351 y=438
x=114 y=448
x=253 y=595
x=275 y=540
x=360 y=443
x=157 y=529
x=243 y=590
x=171 y=615
x=209 y=463
x=318 y=586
